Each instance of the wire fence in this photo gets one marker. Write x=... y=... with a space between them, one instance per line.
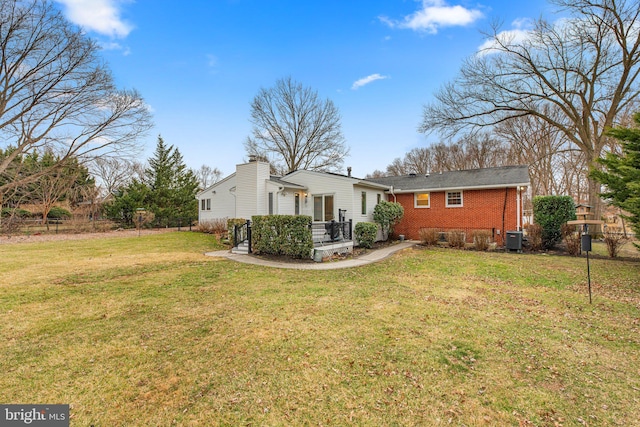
x=30 y=226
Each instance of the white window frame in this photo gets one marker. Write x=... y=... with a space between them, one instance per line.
x=202 y=204
x=208 y=204
x=323 y=197
x=454 y=205
x=415 y=201
x=363 y=203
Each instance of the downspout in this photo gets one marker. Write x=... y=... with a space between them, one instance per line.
x=393 y=194
x=518 y=216
x=504 y=212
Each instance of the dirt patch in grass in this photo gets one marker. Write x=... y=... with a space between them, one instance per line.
x=52 y=237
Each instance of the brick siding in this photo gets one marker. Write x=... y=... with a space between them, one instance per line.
x=481 y=210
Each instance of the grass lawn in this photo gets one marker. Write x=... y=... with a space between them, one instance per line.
x=149 y=332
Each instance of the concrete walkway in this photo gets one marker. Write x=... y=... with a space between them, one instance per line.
x=368 y=258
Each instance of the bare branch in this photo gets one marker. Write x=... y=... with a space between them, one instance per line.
x=294 y=129
x=57 y=94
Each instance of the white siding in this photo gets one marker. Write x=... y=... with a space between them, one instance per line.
x=223 y=202
x=372 y=201
x=251 y=189
x=346 y=191
x=322 y=184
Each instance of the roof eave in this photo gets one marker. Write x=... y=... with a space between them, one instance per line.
x=475 y=187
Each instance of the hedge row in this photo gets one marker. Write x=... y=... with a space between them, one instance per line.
x=288 y=235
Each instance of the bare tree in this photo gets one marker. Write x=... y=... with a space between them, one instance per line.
x=472 y=152
x=112 y=173
x=375 y=174
x=207 y=176
x=540 y=145
x=586 y=66
x=57 y=94
x=295 y=129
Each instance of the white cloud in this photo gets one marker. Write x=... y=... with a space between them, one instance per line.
x=520 y=32
x=212 y=60
x=100 y=16
x=434 y=15
x=366 y=80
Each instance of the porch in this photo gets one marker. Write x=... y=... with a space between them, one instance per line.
x=331 y=238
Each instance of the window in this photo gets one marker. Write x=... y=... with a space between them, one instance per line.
x=208 y=204
x=202 y=205
x=270 y=203
x=363 y=202
x=454 y=199
x=323 y=208
x=422 y=200
x=297 y=203
x=379 y=198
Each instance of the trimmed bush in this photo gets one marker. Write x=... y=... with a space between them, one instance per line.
x=429 y=236
x=481 y=239
x=387 y=214
x=550 y=212
x=366 y=233
x=15 y=213
x=57 y=212
x=288 y=235
x=456 y=239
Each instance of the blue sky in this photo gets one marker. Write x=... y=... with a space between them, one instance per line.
x=198 y=64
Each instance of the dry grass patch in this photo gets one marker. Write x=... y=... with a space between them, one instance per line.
x=428 y=337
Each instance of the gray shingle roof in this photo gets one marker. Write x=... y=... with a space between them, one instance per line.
x=287 y=184
x=507 y=176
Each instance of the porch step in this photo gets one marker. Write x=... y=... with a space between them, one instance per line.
x=242 y=248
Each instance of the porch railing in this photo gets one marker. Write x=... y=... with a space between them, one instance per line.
x=331 y=231
x=242 y=233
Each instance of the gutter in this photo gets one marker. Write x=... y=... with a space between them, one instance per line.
x=478 y=187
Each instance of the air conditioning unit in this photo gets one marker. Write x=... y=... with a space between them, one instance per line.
x=514 y=241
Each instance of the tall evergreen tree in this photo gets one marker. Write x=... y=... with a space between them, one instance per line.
x=168 y=189
x=622 y=174
x=172 y=185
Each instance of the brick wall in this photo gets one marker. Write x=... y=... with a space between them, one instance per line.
x=481 y=210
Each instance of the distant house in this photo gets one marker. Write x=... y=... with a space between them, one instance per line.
x=480 y=199
x=252 y=190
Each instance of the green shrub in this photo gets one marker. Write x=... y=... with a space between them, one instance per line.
x=429 y=236
x=57 y=212
x=366 y=233
x=387 y=214
x=15 y=213
x=550 y=212
x=288 y=235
